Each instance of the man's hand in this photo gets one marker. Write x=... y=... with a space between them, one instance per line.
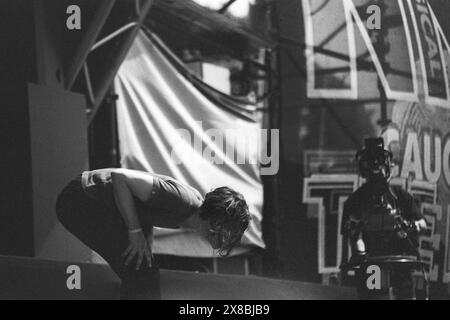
x=420 y=225
x=360 y=246
x=138 y=246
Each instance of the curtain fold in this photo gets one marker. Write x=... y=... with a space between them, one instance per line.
x=167 y=126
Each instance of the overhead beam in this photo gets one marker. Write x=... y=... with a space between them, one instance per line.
x=198 y=19
x=94 y=29
x=123 y=49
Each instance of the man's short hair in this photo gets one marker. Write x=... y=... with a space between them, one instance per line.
x=228 y=216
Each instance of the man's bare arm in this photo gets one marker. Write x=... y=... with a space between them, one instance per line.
x=124 y=200
x=128 y=184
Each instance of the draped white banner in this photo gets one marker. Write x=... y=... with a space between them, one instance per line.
x=155 y=104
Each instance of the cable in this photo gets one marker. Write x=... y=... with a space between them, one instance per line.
x=323 y=5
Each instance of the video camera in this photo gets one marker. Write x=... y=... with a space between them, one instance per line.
x=374 y=161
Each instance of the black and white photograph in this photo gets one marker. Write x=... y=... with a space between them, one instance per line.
x=225 y=154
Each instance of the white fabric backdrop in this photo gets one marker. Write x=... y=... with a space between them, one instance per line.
x=154 y=102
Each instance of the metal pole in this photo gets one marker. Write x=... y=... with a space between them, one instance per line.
x=123 y=51
x=88 y=40
x=271 y=216
x=113 y=35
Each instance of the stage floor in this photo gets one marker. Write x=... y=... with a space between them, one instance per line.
x=25 y=278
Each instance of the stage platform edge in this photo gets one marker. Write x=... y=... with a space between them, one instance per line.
x=28 y=278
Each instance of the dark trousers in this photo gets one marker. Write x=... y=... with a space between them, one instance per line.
x=102 y=229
